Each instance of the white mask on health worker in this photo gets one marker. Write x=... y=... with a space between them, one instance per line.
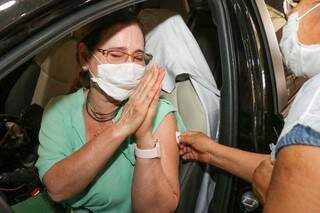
x=302 y=59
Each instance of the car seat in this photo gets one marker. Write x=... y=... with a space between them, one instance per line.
x=59 y=71
x=21 y=93
x=186 y=100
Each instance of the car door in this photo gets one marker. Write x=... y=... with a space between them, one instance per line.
x=253 y=95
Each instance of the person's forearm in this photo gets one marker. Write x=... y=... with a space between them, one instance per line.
x=156 y=181
x=71 y=175
x=235 y=161
x=152 y=191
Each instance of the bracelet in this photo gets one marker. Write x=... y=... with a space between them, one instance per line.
x=148 y=153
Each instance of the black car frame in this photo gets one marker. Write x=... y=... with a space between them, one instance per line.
x=256 y=89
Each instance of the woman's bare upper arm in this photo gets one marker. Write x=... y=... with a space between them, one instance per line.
x=166 y=133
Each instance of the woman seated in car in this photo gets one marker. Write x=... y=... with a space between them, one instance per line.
x=102 y=144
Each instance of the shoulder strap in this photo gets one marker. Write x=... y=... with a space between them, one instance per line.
x=309 y=11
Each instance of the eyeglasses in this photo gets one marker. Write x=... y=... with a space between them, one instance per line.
x=117 y=56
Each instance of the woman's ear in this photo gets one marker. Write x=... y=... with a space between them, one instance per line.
x=83 y=55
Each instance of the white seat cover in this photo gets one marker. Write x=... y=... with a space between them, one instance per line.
x=172 y=45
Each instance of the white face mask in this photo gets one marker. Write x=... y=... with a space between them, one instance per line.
x=303 y=60
x=118 y=80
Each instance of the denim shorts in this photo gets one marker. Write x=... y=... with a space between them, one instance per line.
x=299 y=134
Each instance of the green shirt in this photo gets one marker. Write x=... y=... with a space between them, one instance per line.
x=63 y=133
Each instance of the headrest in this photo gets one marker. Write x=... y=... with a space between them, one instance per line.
x=61 y=57
x=172 y=45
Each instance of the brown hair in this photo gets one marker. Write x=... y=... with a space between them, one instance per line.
x=96 y=34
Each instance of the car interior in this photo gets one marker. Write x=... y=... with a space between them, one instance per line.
x=55 y=71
